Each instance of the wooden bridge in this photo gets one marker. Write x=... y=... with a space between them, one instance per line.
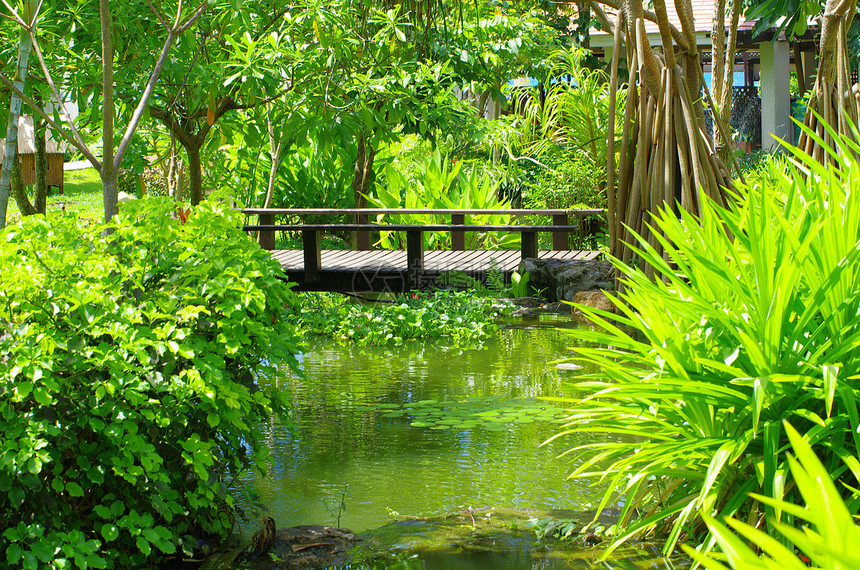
x=365 y=269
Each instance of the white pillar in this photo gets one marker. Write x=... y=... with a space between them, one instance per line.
x=775 y=95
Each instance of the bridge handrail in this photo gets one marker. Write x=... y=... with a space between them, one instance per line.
x=411 y=211
x=414 y=232
x=266 y=222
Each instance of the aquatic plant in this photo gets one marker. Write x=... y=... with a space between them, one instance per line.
x=459 y=316
x=130 y=367
x=750 y=320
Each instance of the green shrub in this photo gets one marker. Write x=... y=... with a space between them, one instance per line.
x=129 y=384
x=751 y=321
x=832 y=541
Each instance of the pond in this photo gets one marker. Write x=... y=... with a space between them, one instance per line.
x=423 y=430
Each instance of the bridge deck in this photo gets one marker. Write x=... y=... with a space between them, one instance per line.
x=386 y=270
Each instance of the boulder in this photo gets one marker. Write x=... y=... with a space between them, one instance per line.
x=596 y=299
x=560 y=280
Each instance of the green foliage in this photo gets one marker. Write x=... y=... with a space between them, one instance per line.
x=495 y=288
x=457 y=316
x=131 y=361
x=751 y=321
x=830 y=541
x=441 y=185
x=566 y=181
x=565 y=122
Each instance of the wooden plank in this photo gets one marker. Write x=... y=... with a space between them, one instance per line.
x=379 y=269
x=334 y=256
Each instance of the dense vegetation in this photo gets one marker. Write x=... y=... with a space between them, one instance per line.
x=751 y=322
x=459 y=317
x=132 y=364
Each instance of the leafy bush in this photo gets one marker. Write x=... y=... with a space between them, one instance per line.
x=458 y=316
x=130 y=381
x=832 y=542
x=751 y=321
x=441 y=185
x=566 y=182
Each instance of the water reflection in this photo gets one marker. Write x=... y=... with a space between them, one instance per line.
x=349 y=459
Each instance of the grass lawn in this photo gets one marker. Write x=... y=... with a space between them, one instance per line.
x=83 y=196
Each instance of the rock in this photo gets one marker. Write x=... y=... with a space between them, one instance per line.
x=307 y=546
x=528 y=302
x=561 y=279
x=122 y=197
x=596 y=299
x=556 y=307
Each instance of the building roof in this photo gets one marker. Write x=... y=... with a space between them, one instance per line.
x=703 y=13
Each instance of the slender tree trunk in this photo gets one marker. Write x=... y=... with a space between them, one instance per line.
x=195 y=171
x=363 y=170
x=19 y=191
x=25 y=46
x=40 y=185
x=276 y=151
x=108 y=173
x=722 y=69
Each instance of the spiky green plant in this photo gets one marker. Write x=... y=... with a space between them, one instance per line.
x=830 y=539
x=751 y=320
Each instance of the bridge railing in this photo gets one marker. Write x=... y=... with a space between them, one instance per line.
x=311 y=233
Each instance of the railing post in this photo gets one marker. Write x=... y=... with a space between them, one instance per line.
x=415 y=257
x=363 y=242
x=529 y=244
x=267 y=237
x=313 y=255
x=559 y=238
x=458 y=237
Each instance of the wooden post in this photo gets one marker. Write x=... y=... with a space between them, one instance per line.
x=458 y=237
x=415 y=256
x=363 y=235
x=559 y=238
x=529 y=245
x=267 y=237
x=313 y=256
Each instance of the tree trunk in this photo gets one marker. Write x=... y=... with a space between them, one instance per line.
x=722 y=70
x=363 y=170
x=195 y=170
x=19 y=191
x=40 y=186
x=108 y=173
x=25 y=46
x=834 y=101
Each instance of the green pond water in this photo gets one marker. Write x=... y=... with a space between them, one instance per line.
x=422 y=430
